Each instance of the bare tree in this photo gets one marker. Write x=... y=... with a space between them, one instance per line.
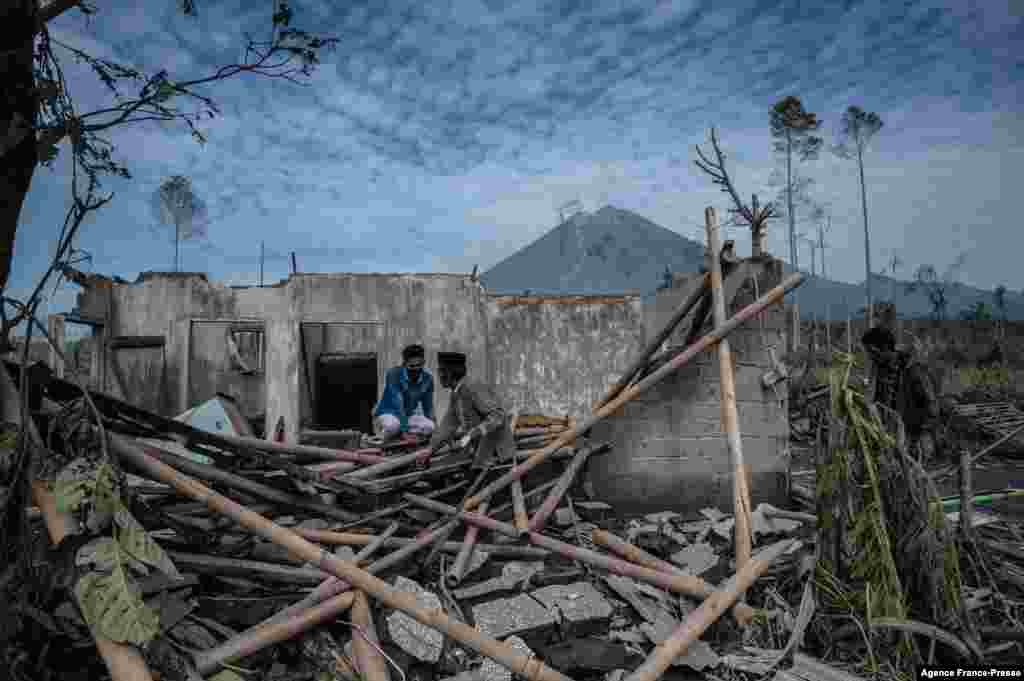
x=821 y=217
x=935 y=287
x=177 y=205
x=857 y=129
x=756 y=217
x=38 y=112
x=895 y=263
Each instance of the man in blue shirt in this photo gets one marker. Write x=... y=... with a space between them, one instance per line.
x=407 y=404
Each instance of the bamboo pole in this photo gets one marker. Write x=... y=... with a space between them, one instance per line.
x=267 y=634
x=698 y=621
x=388 y=465
x=355 y=539
x=730 y=415
x=527 y=496
x=398 y=508
x=214 y=474
x=288 y=623
x=641 y=359
x=676 y=583
x=521 y=519
x=324 y=453
x=124 y=662
x=529 y=667
x=466 y=552
x=717 y=334
x=742 y=612
x=335 y=585
x=365 y=643
x=568 y=477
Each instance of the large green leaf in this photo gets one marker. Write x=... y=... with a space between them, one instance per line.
x=71 y=493
x=136 y=542
x=112 y=607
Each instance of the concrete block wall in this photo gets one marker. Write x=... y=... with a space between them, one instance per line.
x=669 y=451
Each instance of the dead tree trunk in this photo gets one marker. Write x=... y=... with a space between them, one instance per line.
x=18 y=116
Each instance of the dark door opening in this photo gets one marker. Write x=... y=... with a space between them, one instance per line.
x=346 y=391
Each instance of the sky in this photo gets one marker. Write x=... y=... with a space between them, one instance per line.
x=442 y=135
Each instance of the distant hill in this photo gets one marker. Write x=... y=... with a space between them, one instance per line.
x=617 y=251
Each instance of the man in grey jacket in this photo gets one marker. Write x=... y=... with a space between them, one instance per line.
x=475 y=418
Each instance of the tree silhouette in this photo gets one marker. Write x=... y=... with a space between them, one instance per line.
x=793 y=128
x=857 y=129
x=177 y=205
x=936 y=288
x=39 y=113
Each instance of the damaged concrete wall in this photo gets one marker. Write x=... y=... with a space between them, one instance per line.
x=669 y=450
x=559 y=354
x=443 y=312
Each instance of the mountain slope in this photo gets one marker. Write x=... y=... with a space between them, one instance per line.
x=617 y=251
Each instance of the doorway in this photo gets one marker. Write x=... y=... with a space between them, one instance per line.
x=346 y=390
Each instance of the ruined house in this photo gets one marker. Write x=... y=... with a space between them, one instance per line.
x=311 y=352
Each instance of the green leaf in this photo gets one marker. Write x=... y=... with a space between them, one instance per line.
x=164 y=91
x=136 y=542
x=71 y=493
x=284 y=15
x=227 y=675
x=114 y=609
x=106 y=496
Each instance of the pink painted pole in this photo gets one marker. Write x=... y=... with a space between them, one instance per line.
x=466 y=553
x=502 y=653
x=540 y=517
x=360 y=456
x=684 y=584
x=698 y=621
x=710 y=340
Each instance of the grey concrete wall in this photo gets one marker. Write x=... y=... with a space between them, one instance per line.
x=558 y=355
x=211 y=371
x=669 y=450
x=446 y=313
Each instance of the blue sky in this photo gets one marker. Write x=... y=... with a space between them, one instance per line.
x=440 y=135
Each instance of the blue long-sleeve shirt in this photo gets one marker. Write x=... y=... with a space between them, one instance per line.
x=401 y=397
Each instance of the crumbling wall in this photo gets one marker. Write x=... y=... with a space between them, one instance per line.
x=559 y=354
x=443 y=312
x=157 y=304
x=668 y=447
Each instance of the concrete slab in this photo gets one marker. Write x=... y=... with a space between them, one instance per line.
x=492 y=671
x=420 y=641
x=520 y=615
x=579 y=604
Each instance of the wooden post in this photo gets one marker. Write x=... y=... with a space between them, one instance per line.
x=730 y=416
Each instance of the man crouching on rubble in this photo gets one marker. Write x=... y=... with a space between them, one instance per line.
x=406 y=388
x=475 y=417
x=904 y=385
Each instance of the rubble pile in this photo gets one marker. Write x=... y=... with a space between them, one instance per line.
x=552 y=574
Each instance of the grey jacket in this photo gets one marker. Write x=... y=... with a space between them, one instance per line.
x=475 y=407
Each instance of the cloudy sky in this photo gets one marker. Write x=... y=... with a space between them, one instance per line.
x=440 y=135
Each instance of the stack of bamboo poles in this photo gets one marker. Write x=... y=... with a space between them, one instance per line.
x=534 y=431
